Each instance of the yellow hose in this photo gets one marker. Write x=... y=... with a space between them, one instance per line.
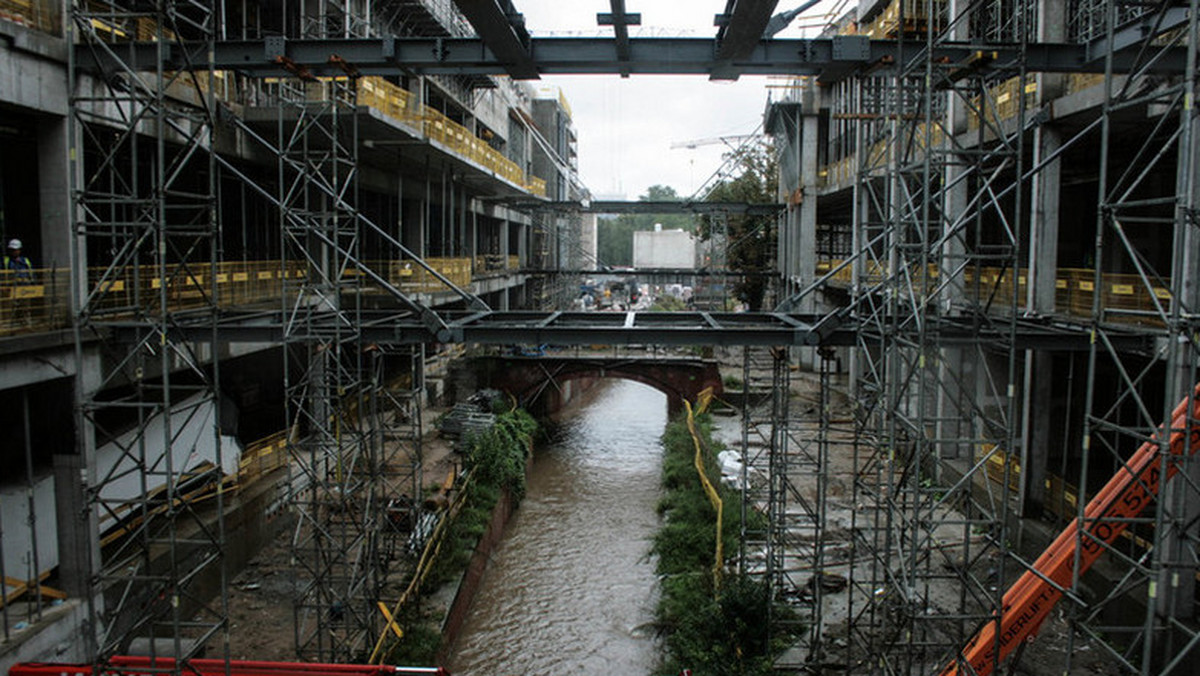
x=713 y=497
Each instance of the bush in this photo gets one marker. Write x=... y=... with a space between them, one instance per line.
x=497 y=456
x=703 y=631
x=668 y=304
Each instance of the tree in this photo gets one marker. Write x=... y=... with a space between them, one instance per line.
x=615 y=235
x=750 y=240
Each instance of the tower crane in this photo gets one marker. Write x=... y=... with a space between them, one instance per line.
x=731 y=141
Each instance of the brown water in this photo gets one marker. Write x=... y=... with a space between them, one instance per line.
x=571 y=589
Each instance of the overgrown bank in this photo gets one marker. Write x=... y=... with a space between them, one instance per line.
x=494 y=469
x=712 y=623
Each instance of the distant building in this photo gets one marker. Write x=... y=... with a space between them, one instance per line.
x=664 y=249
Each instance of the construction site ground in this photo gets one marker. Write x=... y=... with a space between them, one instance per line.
x=260 y=596
x=262 y=623
x=847 y=510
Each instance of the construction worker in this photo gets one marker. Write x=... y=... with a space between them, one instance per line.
x=16 y=265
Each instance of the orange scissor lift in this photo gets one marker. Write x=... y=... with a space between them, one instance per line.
x=1030 y=599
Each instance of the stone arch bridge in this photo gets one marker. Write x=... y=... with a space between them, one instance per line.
x=543 y=384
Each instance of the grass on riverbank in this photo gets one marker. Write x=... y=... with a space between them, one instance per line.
x=495 y=462
x=723 y=633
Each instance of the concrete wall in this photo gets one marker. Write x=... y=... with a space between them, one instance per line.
x=665 y=249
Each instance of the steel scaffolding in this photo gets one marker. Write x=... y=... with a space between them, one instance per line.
x=939 y=197
x=952 y=160
x=143 y=256
x=785 y=444
x=1130 y=396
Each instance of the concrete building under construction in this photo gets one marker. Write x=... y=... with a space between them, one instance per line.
x=253 y=228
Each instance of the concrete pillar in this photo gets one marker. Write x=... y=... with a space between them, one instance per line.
x=78 y=519
x=806 y=248
x=954 y=425
x=1041 y=275
x=54 y=183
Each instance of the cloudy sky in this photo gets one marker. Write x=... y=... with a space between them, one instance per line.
x=626 y=127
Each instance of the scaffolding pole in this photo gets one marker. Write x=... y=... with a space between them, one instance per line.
x=144 y=253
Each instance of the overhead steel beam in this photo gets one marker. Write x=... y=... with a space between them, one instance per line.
x=620 y=328
x=1134 y=32
x=739 y=30
x=620 y=21
x=828 y=57
x=650 y=273
x=654 y=207
x=502 y=29
x=741 y=27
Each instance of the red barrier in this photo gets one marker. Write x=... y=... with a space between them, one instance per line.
x=126 y=665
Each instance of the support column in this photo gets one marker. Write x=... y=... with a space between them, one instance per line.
x=1041 y=276
x=806 y=248
x=54 y=181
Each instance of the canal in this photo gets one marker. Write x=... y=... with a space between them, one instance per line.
x=571 y=589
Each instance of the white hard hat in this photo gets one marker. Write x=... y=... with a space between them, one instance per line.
x=14 y=244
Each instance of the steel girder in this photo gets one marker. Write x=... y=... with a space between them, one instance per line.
x=830 y=58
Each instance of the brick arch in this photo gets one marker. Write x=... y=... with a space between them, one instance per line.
x=534 y=381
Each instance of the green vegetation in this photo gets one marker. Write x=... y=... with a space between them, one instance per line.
x=709 y=633
x=732 y=382
x=751 y=239
x=614 y=236
x=422 y=638
x=495 y=460
x=668 y=304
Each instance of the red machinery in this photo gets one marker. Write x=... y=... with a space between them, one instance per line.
x=1029 y=600
x=122 y=665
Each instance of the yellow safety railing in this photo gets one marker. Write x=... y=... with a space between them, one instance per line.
x=410 y=276
x=917 y=20
x=1124 y=295
x=391 y=100
x=400 y=104
x=43 y=15
x=1004 y=102
x=40 y=300
x=36 y=301
x=263 y=457
x=709 y=489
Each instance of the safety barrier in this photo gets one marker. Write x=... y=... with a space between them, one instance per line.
x=42 y=15
x=889 y=24
x=1003 y=102
x=41 y=300
x=34 y=302
x=1124 y=298
x=263 y=457
x=491 y=262
x=409 y=276
x=400 y=104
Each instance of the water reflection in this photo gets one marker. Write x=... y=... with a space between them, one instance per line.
x=571 y=589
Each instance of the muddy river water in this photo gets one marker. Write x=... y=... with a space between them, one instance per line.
x=571 y=589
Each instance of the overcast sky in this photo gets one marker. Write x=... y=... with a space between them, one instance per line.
x=626 y=127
